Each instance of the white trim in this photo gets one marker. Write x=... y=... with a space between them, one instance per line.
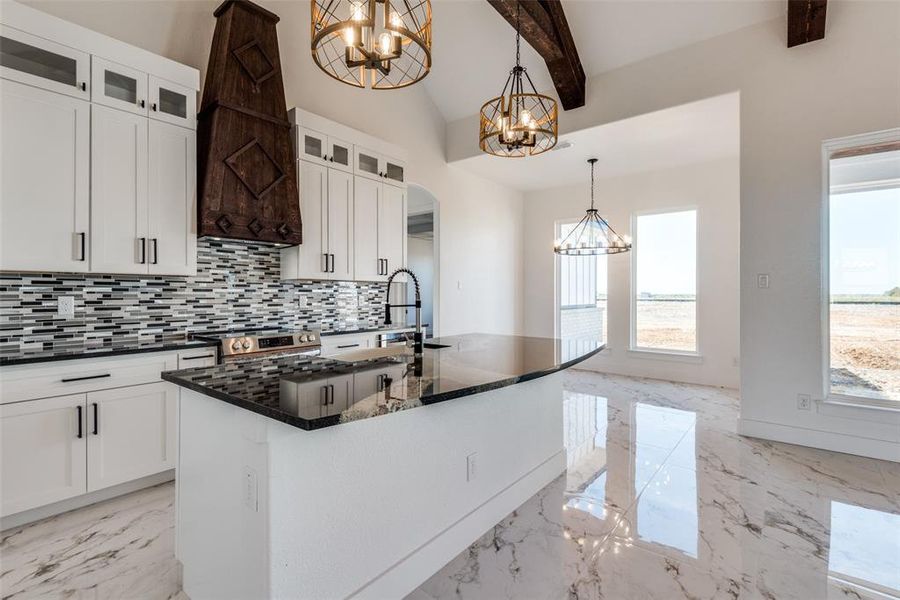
x=632 y=302
x=668 y=355
x=881 y=404
x=826 y=440
x=829 y=147
x=304 y=118
x=42 y=512
x=865 y=186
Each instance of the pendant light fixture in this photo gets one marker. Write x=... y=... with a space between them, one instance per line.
x=379 y=43
x=520 y=121
x=592 y=235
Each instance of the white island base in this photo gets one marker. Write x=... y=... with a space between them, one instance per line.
x=366 y=509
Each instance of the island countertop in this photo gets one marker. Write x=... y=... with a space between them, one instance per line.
x=317 y=392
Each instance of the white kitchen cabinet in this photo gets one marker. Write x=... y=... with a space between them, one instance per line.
x=45 y=187
x=118 y=86
x=379 y=230
x=43 y=457
x=314 y=399
x=374 y=381
x=172 y=206
x=322 y=148
x=326 y=203
x=130 y=434
x=172 y=103
x=199 y=357
x=119 y=231
x=377 y=166
x=335 y=344
x=38 y=62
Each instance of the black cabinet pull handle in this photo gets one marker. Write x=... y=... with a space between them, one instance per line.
x=332 y=263
x=153 y=107
x=143 y=104
x=387 y=267
x=143 y=250
x=325 y=256
x=348 y=346
x=330 y=394
x=81 y=241
x=155 y=243
x=80 y=432
x=198 y=357
x=96 y=419
x=83 y=86
x=70 y=379
x=323 y=395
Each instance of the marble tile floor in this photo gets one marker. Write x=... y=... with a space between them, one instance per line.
x=661 y=499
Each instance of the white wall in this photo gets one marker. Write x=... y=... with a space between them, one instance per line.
x=791 y=100
x=472 y=250
x=713 y=188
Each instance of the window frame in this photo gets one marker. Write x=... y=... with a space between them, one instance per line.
x=829 y=148
x=649 y=351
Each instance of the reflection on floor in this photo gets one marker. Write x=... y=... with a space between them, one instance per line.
x=662 y=499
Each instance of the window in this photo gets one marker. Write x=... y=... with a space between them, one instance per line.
x=664 y=314
x=864 y=272
x=582 y=296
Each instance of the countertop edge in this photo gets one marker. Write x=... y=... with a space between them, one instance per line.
x=81 y=355
x=326 y=422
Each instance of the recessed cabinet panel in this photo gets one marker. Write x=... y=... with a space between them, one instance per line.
x=172 y=239
x=172 y=103
x=310 y=260
x=42 y=452
x=340 y=154
x=118 y=86
x=394 y=170
x=44 y=187
x=392 y=229
x=35 y=61
x=367 y=164
x=368 y=264
x=340 y=224
x=313 y=146
x=119 y=234
x=130 y=433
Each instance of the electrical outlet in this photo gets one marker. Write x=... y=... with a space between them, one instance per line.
x=470 y=467
x=804 y=402
x=65 y=307
x=251 y=496
x=762 y=280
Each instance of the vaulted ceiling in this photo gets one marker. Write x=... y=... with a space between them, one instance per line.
x=474 y=47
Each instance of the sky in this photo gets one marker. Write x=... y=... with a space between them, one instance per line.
x=666 y=246
x=865 y=241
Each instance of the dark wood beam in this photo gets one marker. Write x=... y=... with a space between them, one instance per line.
x=806 y=21
x=543 y=25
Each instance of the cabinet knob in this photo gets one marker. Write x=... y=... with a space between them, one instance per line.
x=153 y=107
x=83 y=86
x=143 y=104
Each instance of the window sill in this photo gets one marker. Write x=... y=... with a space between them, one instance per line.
x=672 y=356
x=836 y=400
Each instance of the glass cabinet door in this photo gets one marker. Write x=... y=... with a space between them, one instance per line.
x=367 y=163
x=118 y=86
x=172 y=103
x=313 y=145
x=394 y=170
x=35 y=61
x=340 y=154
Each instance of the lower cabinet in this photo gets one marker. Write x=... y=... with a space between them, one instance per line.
x=61 y=447
x=131 y=433
x=43 y=458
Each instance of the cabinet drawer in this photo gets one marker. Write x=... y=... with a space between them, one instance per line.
x=201 y=357
x=26 y=382
x=335 y=344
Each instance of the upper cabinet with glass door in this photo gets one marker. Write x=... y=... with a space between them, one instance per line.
x=327 y=149
x=375 y=165
x=172 y=103
x=35 y=61
x=118 y=86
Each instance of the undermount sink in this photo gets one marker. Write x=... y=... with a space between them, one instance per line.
x=435 y=346
x=370 y=354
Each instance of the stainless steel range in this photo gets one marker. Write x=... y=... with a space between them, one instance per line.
x=254 y=344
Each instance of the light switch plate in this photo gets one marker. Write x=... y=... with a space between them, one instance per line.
x=251 y=494
x=471 y=470
x=762 y=280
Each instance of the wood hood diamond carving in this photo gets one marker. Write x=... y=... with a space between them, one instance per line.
x=247 y=168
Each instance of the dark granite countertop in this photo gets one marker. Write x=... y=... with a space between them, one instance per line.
x=371 y=329
x=291 y=389
x=97 y=348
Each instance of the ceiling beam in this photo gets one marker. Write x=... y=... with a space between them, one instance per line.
x=806 y=21
x=543 y=25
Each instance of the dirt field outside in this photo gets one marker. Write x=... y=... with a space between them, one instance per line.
x=667 y=325
x=865 y=350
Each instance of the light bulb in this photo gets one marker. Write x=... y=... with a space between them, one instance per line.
x=356 y=11
x=349 y=38
x=396 y=21
x=525 y=117
x=384 y=43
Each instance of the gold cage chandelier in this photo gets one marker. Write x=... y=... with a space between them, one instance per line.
x=379 y=43
x=592 y=235
x=520 y=121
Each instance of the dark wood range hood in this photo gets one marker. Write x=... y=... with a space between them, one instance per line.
x=247 y=169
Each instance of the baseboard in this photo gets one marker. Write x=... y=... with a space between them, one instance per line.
x=419 y=565
x=825 y=440
x=51 y=510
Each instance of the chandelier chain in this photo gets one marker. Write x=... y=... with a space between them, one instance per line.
x=592 y=186
x=518 y=9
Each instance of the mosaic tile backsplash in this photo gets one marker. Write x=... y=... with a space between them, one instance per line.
x=237 y=287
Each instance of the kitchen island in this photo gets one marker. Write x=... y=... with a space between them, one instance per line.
x=306 y=477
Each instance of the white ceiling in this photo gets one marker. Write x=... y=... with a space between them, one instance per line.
x=691 y=133
x=608 y=34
